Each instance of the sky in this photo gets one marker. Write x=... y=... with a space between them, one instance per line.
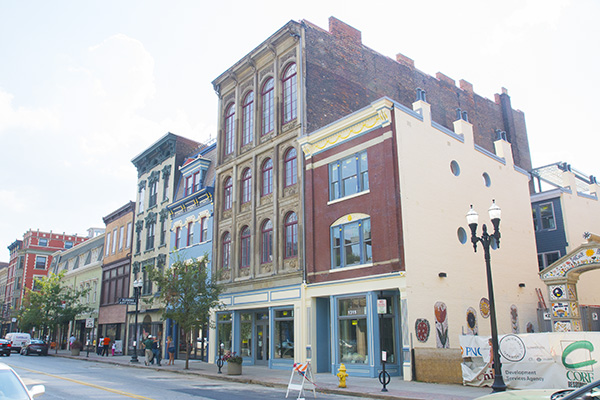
x=85 y=86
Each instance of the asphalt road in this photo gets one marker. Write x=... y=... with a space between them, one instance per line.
x=73 y=379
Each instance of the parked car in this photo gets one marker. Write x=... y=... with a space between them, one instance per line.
x=5 y=347
x=18 y=339
x=12 y=387
x=587 y=392
x=35 y=346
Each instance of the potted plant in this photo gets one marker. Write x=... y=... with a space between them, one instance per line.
x=234 y=363
x=76 y=348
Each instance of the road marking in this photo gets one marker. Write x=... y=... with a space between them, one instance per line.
x=133 y=396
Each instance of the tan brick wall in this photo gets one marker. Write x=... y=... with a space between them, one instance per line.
x=437 y=365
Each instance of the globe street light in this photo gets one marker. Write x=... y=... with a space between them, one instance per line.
x=137 y=287
x=486 y=241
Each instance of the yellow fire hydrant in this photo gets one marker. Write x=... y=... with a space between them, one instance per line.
x=342 y=376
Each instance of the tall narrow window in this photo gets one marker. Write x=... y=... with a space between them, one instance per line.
x=267 y=242
x=226 y=250
x=290 y=101
x=141 y=200
x=190 y=234
x=177 y=237
x=189 y=185
x=203 y=229
x=163 y=232
x=121 y=236
x=114 y=241
x=267 y=106
x=107 y=245
x=291 y=167
x=229 y=129
x=248 y=119
x=129 y=232
x=291 y=235
x=197 y=182
x=150 y=235
x=245 y=247
x=227 y=192
x=267 y=177
x=246 y=185
x=165 y=187
x=153 y=194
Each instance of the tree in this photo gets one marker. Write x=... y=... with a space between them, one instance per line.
x=51 y=304
x=188 y=293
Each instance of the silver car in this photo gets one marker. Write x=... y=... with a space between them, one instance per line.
x=12 y=387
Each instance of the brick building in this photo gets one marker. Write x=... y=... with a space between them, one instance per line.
x=116 y=270
x=298 y=82
x=30 y=258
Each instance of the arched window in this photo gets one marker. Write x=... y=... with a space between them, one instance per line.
x=227 y=192
x=266 y=248
x=290 y=164
x=291 y=235
x=267 y=177
x=246 y=185
x=268 y=116
x=351 y=242
x=226 y=243
x=229 y=129
x=290 y=101
x=245 y=247
x=248 y=119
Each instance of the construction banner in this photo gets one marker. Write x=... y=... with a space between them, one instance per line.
x=533 y=360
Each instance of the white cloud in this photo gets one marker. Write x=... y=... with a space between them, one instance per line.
x=12 y=117
x=11 y=202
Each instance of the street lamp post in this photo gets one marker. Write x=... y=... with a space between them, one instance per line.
x=486 y=241
x=137 y=287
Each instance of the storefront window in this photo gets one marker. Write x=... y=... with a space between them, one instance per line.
x=224 y=327
x=246 y=335
x=284 y=334
x=352 y=334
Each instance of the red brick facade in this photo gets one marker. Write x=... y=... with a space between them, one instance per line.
x=381 y=203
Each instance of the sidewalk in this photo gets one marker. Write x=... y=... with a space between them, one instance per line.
x=369 y=388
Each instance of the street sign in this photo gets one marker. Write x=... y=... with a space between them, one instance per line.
x=89 y=322
x=130 y=301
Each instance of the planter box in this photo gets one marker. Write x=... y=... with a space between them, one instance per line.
x=234 y=368
x=75 y=352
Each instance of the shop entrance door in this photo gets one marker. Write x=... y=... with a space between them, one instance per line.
x=262 y=339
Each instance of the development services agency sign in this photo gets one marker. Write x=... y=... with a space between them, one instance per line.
x=535 y=360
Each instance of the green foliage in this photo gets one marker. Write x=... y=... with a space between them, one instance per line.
x=51 y=304
x=188 y=293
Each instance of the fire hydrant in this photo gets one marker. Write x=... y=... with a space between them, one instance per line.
x=342 y=376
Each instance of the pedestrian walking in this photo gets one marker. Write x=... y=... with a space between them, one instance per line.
x=148 y=349
x=71 y=340
x=156 y=350
x=114 y=347
x=105 y=345
x=100 y=346
x=171 y=350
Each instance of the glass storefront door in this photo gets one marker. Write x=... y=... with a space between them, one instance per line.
x=262 y=338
